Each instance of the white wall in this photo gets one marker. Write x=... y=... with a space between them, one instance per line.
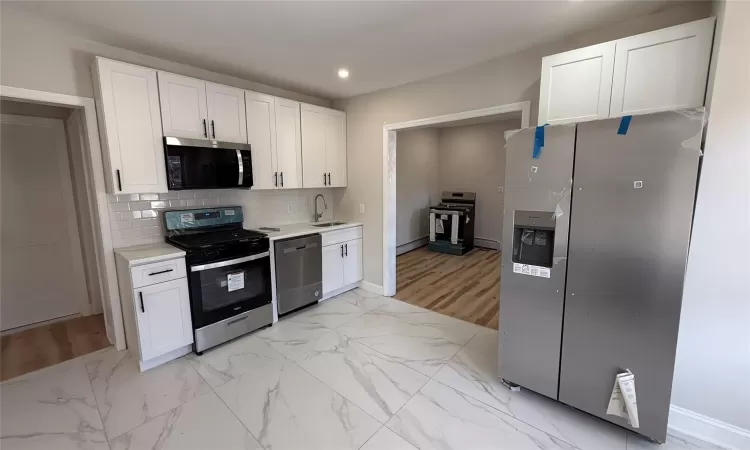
x=509 y=79
x=46 y=56
x=416 y=183
x=712 y=370
x=472 y=158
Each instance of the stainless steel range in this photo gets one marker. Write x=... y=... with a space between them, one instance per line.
x=229 y=272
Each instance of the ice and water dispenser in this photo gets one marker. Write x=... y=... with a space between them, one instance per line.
x=533 y=237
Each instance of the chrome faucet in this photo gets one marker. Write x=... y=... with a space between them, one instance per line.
x=325 y=205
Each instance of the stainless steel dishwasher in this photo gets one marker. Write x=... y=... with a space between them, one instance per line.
x=299 y=272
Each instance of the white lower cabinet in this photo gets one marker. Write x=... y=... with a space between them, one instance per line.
x=163 y=317
x=155 y=306
x=352 y=261
x=333 y=268
x=342 y=265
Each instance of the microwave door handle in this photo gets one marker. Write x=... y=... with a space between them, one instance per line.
x=241 y=168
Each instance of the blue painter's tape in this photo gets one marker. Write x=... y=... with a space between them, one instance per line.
x=538 y=141
x=624 y=125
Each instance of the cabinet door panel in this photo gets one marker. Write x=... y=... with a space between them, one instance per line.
x=289 y=147
x=336 y=148
x=661 y=70
x=164 y=322
x=333 y=267
x=226 y=113
x=129 y=103
x=353 y=261
x=576 y=85
x=183 y=106
x=313 y=149
x=261 y=135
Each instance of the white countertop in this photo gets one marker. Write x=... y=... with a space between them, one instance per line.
x=301 y=229
x=143 y=254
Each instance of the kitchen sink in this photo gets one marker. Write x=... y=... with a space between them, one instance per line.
x=328 y=224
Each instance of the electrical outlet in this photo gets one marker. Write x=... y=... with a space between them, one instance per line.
x=361 y=208
x=288 y=208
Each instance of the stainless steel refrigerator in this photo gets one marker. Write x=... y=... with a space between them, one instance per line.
x=596 y=233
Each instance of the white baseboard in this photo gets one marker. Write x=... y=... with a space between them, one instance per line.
x=339 y=291
x=370 y=287
x=415 y=244
x=487 y=243
x=159 y=360
x=707 y=429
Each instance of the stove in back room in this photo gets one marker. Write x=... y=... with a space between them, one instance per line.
x=452 y=223
x=229 y=272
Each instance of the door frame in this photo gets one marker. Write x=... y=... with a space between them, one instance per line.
x=96 y=190
x=521 y=109
x=71 y=219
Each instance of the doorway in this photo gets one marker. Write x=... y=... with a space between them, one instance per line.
x=425 y=161
x=51 y=307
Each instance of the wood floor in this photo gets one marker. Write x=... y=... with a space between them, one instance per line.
x=466 y=287
x=46 y=345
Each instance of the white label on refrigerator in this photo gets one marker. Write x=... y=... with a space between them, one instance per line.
x=236 y=281
x=186 y=218
x=534 y=271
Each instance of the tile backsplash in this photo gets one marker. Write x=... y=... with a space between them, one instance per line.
x=136 y=218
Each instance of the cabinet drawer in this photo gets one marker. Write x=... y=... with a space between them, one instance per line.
x=158 y=272
x=339 y=236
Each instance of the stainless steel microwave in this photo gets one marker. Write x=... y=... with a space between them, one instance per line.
x=203 y=164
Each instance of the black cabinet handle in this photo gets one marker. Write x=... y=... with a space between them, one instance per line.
x=329 y=178
x=140 y=294
x=119 y=181
x=324 y=179
x=282 y=179
x=213 y=130
x=346 y=249
x=276 y=179
x=205 y=131
x=342 y=251
x=160 y=272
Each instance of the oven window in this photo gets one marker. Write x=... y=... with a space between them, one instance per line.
x=224 y=286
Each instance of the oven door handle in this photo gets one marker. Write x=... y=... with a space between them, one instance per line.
x=231 y=262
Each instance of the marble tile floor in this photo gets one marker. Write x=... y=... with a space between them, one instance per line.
x=359 y=371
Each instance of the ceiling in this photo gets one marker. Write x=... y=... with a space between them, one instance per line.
x=300 y=45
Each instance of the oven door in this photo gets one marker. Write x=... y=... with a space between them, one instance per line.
x=198 y=164
x=224 y=289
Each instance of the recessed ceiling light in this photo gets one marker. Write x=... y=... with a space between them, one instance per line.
x=343 y=73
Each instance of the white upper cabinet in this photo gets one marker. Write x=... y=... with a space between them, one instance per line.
x=273 y=132
x=323 y=147
x=315 y=171
x=576 y=85
x=288 y=144
x=336 y=148
x=664 y=69
x=184 y=111
x=261 y=135
x=128 y=102
x=197 y=109
x=226 y=113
